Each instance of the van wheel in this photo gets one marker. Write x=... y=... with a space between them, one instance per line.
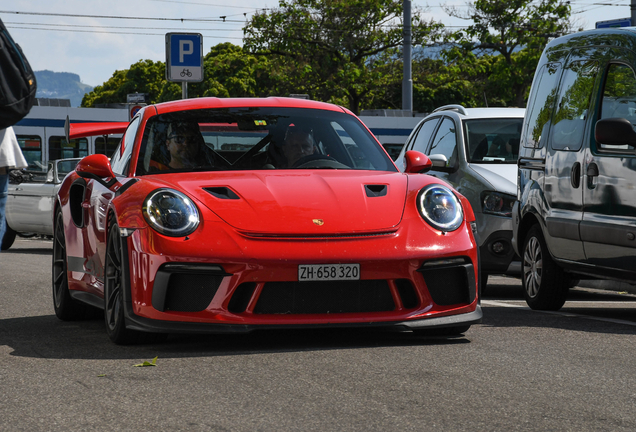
x=545 y=284
x=8 y=238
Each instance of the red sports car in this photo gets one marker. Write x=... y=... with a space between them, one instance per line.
x=230 y=215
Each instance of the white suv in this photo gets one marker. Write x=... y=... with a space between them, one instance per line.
x=475 y=150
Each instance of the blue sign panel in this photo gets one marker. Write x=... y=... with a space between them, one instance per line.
x=621 y=22
x=184 y=57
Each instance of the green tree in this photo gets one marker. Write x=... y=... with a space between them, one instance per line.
x=145 y=76
x=517 y=30
x=329 y=46
x=228 y=72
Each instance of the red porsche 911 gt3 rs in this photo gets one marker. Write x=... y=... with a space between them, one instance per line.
x=230 y=215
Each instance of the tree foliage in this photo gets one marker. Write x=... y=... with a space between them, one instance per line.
x=518 y=30
x=348 y=52
x=145 y=76
x=330 y=45
x=228 y=72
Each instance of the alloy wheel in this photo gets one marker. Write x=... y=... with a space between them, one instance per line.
x=532 y=266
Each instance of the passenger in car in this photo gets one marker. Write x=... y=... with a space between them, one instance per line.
x=185 y=148
x=298 y=143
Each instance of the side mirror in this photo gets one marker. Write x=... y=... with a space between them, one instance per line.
x=615 y=131
x=416 y=162
x=439 y=160
x=95 y=166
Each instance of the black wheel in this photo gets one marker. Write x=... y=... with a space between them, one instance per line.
x=545 y=284
x=113 y=289
x=8 y=238
x=114 y=294
x=65 y=307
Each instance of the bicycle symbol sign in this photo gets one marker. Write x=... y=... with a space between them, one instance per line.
x=184 y=57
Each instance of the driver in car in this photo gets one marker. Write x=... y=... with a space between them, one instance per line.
x=297 y=144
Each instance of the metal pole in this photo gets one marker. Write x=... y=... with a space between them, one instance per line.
x=407 y=81
x=184 y=90
x=632 y=7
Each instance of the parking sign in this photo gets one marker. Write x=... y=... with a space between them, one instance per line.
x=184 y=57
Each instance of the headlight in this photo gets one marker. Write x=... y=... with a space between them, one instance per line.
x=497 y=203
x=440 y=207
x=171 y=213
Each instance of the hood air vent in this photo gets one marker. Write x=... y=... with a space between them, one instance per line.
x=222 y=193
x=375 y=190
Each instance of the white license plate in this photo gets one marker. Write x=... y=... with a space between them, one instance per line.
x=326 y=272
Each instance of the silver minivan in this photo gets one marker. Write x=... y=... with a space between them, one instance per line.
x=475 y=150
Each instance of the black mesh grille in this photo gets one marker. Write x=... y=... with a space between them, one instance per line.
x=407 y=293
x=191 y=292
x=325 y=297
x=447 y=285
x=241 y=297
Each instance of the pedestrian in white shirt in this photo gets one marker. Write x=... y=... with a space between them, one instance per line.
x=11 y=157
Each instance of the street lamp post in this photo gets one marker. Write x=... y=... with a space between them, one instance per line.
x=407 y=81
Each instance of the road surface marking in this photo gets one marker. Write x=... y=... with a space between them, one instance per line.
x=564 y=314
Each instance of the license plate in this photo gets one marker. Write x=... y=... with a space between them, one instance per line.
x=327 y=272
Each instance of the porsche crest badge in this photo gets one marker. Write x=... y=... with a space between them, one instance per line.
x=318 y=222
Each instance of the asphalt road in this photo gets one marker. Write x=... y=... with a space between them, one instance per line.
x=518 y=370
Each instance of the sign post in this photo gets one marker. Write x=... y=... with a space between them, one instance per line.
x=621 y=22
x=184 y=59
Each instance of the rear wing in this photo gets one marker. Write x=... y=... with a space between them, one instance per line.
x=80 y=130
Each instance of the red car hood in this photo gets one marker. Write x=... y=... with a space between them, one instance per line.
x=299 y=202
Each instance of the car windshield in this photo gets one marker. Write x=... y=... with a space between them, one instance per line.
x=258 y=138
x=494 y=140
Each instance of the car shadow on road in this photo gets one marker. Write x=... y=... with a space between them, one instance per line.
x=47 y=337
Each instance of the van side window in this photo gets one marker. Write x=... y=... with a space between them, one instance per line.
x=542 y=103
x=619 y=97
x=420 y=143
x=445 y=142
x=571 y=112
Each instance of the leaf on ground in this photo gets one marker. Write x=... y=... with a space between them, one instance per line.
x=147 y=363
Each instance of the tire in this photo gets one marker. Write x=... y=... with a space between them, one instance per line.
x=114 y=294
x=65 y=307
x=545 y=284
x=8 y=238
x=113 y=289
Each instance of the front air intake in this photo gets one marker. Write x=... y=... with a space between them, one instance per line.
x=449 y=283
x=325 y=297
x=185 y=288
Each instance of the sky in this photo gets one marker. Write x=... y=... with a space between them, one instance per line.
x=95 y=38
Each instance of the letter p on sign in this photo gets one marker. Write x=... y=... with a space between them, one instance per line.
x=185 y=47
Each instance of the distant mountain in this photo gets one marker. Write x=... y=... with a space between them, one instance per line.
x=61 y=85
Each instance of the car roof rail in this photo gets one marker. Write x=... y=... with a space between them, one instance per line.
x=459 y=108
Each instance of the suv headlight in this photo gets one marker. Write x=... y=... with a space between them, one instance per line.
x=439 y=206
x=171 y=213
x=497 y=203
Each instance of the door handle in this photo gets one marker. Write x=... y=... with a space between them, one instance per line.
x=592 y=173
x=575 y=175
